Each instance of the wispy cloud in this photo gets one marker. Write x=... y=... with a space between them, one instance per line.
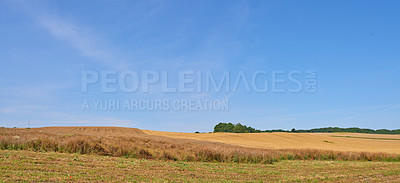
x=83 y=38
x=40 y=101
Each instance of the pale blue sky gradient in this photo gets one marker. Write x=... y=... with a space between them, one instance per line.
x=353 y=45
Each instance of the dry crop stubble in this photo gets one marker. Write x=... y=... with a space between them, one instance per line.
x=131 y=142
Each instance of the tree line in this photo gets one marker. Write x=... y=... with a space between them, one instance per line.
x=239 y=128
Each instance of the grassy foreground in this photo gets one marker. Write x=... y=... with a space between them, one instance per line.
x=64 y=167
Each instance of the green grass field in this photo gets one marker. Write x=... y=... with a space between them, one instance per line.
x=62 y=167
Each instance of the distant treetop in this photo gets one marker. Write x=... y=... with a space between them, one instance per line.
x=239 y=128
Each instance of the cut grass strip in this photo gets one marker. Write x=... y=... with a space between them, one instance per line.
x=26 y=166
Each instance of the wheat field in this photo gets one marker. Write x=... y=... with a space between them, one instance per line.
x=115 y=154
x=212 y=147
x=347 y=142
x=353 y=142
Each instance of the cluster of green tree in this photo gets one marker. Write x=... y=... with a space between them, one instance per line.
x=234 y=128
x=239 y=128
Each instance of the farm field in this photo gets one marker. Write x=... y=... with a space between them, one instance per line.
x=63 y=167
x=353 y=142
x=225 y=147
x=115 y=154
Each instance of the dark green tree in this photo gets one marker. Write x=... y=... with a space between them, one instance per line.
x=239 y=128
x=224 y=127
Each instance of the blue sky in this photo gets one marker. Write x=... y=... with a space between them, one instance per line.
x=353 y=47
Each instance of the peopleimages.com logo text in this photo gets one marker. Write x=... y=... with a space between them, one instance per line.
x=191 y=81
